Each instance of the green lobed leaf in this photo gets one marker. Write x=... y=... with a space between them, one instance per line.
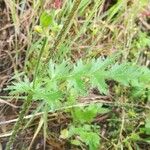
x=89 y=137
x=46 y=19
x=87 y=114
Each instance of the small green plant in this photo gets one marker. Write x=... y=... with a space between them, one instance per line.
x=51 y=76
x=87 y=134
x=45 y=21
x=58 y=81
x=76 y=77
x=81 y=131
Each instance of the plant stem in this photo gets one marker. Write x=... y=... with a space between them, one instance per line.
x=38 y=62
x=26 y=104
x=61 y=36
x=17 y=125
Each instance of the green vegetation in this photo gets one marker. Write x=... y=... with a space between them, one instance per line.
x=71 y=51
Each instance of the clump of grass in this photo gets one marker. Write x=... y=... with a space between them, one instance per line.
x=88 y=33
x=27 y=103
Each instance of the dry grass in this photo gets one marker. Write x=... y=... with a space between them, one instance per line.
x=99 y=28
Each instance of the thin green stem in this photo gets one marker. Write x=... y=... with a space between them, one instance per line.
x=38 y=62
x=62 y=34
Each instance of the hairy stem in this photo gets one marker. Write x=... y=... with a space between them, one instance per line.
x=27 y=103
x=61 y=36
x=17 y=125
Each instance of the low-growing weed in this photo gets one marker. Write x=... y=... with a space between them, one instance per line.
x=59 y=76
